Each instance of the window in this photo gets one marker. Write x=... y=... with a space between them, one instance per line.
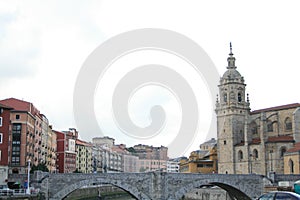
x=239 y=97
x=16 y=140
x=17 y=127
x=17 y=117
x=224 y=142
x=0 y=121
x=199 y=165
x=225 y=97
x=253 y=128
x=240 y=155
x=269 y=126
x=291 y=165
x=255 y=154
x=1 y=138
x=282 y=151
x=288 y=124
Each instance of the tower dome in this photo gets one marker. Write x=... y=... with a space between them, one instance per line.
x=231 y=75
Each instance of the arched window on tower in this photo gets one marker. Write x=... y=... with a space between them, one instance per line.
x=225 y=97
x=269 y=126
x=291 y=165
x=255 y=154
x=239 y=97
x=240 y=155
x=288 y=124
x=282 y=151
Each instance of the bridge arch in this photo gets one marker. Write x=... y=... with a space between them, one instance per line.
x=128 y=188
x=154 y=185
x=233 y=192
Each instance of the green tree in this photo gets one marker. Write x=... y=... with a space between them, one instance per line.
x=131 y=150
x=77 y=171
x=39 y=167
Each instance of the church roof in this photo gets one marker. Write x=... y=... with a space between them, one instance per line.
x=242 y=143
x=255 y=141
x=281 y=138
x=231 y=74
x=296 y=148
x=282 y=107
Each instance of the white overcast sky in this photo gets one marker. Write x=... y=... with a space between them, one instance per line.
x=43 y=45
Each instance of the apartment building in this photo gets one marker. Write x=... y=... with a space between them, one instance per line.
x=84 y=157
x=66 y=150
x=4 y=142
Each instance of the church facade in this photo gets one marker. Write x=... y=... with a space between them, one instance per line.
x=251 y=141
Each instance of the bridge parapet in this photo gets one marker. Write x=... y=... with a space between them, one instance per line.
x=156 y=185
x=286 y=177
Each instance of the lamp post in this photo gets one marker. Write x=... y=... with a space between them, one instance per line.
x=28 y=178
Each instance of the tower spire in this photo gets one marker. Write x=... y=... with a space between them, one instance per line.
x=231 y=59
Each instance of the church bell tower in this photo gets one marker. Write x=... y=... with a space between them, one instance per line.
x=232 y=109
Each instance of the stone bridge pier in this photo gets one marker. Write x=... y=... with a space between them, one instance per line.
x=153 y=185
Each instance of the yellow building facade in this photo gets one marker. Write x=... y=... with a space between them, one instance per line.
x=201 y=161
x=291 y=160
x=84 y=157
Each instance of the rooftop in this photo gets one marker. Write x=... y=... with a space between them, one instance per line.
x=83 y=143
x=20 y=105
x=5 y=107
x=296 y=148
x=281 y=138
x=276 y=108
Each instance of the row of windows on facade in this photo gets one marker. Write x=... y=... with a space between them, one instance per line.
x=204 y=165
x=254 y=154
x=288 y=126
x=232 y=96
x=152 y=162
x=17 y=117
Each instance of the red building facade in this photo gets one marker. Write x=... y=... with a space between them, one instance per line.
x=25 y=135
x=4 y=134
x=66 y=154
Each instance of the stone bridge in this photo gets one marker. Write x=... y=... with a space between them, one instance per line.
x=152 y=185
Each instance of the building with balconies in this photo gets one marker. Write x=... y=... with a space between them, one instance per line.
x=66 y=151
x=84 y=157
x=25 y=134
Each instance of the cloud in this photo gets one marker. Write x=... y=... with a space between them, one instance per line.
x=44 y=43
x=18 y=46
x=42 y=47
